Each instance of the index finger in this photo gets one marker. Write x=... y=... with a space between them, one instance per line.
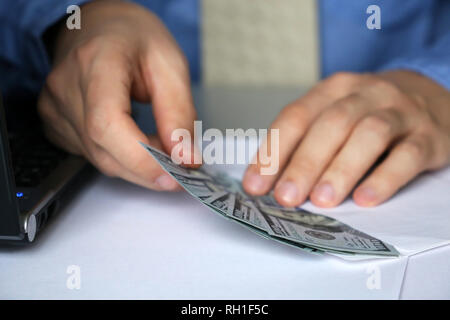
x=166 y=75
x=109 y=124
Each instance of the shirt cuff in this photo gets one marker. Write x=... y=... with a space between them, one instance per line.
x=439 y=72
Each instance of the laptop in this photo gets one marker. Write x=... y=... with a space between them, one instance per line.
x=35 y=178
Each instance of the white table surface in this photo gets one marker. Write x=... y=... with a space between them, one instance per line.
x=134 y=243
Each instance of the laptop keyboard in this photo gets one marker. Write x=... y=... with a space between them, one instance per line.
x=33 y=158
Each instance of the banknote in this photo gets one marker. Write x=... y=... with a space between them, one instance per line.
x=293 y=226
x=317 y=230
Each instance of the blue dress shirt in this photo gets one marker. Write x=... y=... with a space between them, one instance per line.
x=414 y=35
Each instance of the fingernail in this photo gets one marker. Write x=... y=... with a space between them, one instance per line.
x=324 y=193
x=366 y=195
x=254 y=182
x=166 y=182
x=288 y=192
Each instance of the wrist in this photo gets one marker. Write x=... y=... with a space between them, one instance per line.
x=428 y=94
x=412 y=81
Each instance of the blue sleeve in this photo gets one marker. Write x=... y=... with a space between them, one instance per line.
x=23 y=58
x=433 y=60
x=24 y=62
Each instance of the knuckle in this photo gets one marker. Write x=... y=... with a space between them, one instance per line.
x=168 y=55
x=379 y=126
x=87 y=49
x=293 y=116
x=419 y=101
x=342 y=77
x=415 y=150
x=303 y=167
x=343 y=171
x=381 y=84
x=388 y=89
x=96 y=126
x=427 y=123
x=338 y=115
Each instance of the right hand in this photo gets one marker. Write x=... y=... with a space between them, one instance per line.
x=121 y=51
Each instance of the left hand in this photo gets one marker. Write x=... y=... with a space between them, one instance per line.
x=332 y=136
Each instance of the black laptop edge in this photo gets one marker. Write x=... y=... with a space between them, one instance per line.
x=21 y=226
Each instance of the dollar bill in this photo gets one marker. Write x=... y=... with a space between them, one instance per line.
x=293 y=226
x=247 y=223
x=317 y=230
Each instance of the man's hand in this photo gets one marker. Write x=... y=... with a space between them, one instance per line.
x=121 y=51
x=332 y=136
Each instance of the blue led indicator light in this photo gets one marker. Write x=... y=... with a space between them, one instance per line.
x=19 y=194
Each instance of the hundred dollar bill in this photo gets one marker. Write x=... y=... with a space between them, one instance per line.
x=293 y=226
x=213 y=190
x=256 y=226
x=318 y=231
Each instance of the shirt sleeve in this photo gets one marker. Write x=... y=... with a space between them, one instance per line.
x=433 y=61
x=24 y=62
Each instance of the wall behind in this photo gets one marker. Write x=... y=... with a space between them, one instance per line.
x=262 y=42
